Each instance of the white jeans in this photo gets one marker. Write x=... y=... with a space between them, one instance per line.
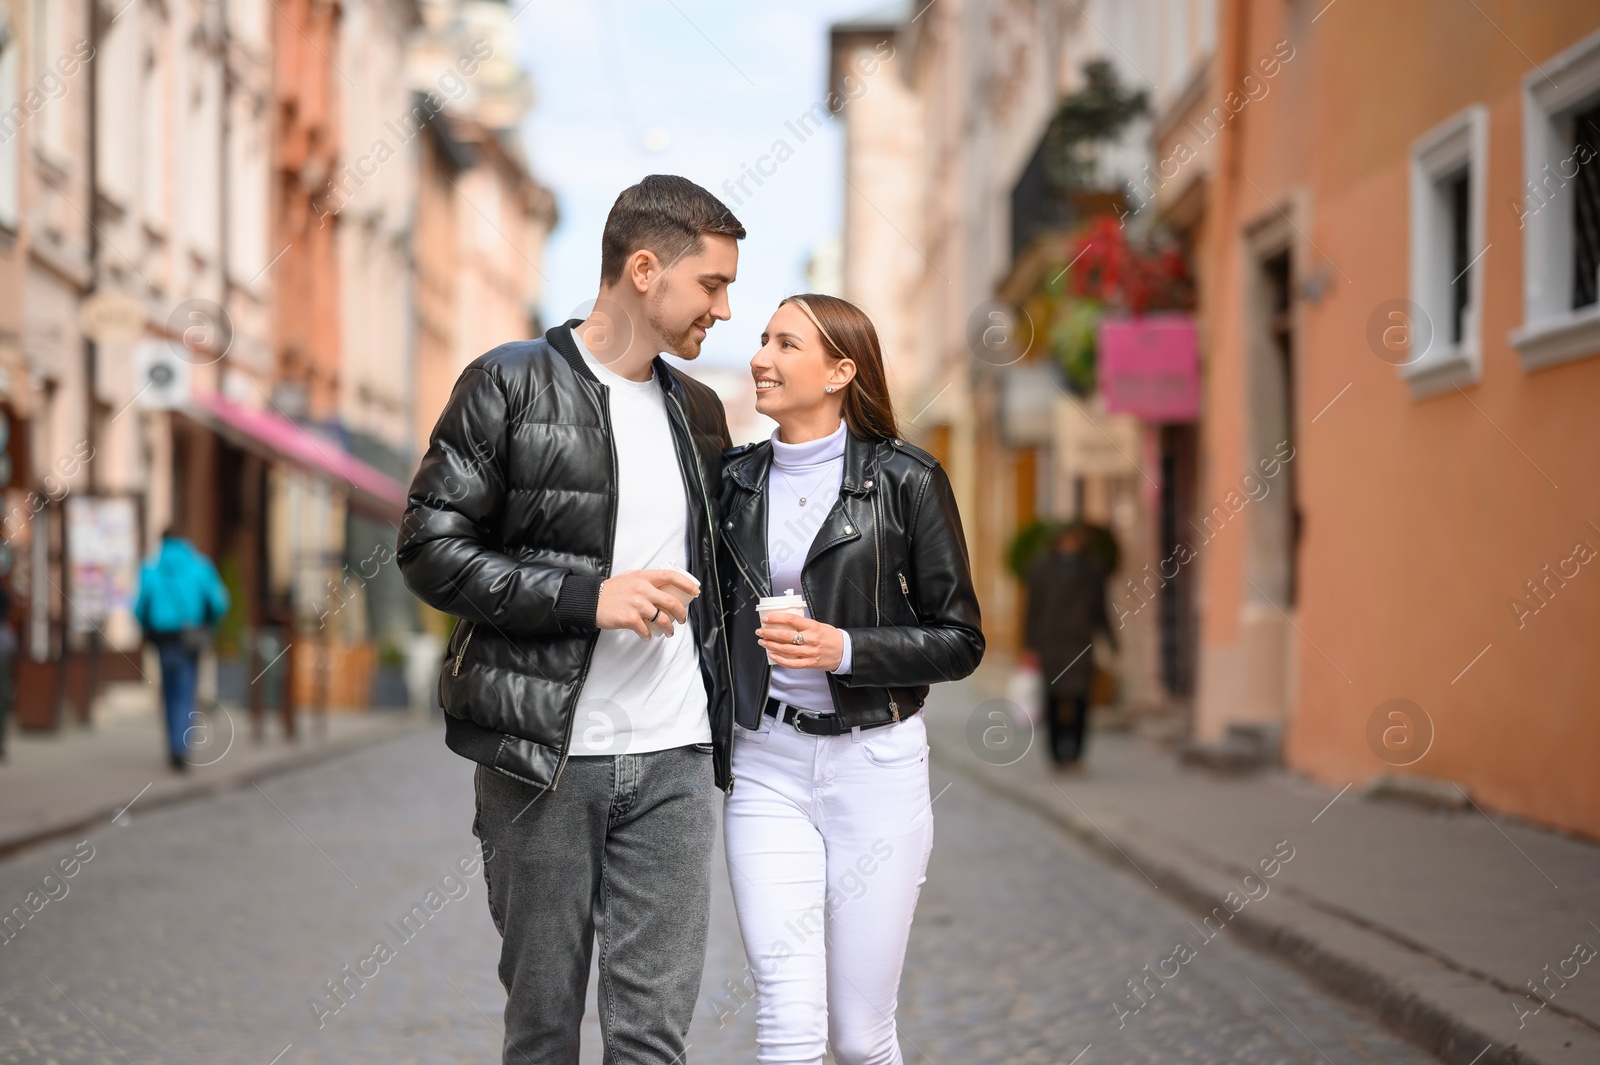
x=827 y=842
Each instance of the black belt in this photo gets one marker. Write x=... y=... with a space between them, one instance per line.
x=812 y=724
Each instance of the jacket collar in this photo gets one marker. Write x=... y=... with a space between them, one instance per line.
x=860 y=464
x=560 y=338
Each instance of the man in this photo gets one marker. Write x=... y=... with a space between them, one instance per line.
x=563 y=507
x=1066 y=604
x=180 y=598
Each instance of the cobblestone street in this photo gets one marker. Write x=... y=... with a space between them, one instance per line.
x=199 y=932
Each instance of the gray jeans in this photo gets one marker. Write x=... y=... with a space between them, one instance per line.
x=621 y=849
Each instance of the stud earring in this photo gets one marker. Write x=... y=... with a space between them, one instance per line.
x=828 y=389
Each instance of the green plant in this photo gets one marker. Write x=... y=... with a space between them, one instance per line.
x=391 y=655
x=1073 y=342
x=1037 y=536
x=1097 y=112
x=230 y=630
x=1028 y=542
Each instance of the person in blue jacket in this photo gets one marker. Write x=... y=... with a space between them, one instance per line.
x=180 y=598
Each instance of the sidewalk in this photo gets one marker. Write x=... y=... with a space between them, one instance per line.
x=1435 y=920
x=53 y=783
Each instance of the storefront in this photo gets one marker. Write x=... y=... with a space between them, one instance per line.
x=275 y=519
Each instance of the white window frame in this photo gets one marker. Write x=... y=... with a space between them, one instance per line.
x=1552 y=332
x=1462 y=141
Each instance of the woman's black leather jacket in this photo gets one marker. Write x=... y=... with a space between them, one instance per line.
x=889 y=564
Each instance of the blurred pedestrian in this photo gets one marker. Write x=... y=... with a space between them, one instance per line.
x=831 y=752
x=180 y=598
x=9 y=645
x=1066 y=604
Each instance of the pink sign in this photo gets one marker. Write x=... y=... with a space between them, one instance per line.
x=1150 y=367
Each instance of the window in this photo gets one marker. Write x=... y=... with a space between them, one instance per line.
x=154 y=145
x=1455 y=189
x=1558 y=210
x=116 y=65
x=1586 y=209
x=1448 y=164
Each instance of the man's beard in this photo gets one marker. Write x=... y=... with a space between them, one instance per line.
x=681 y=343
x=684 y=344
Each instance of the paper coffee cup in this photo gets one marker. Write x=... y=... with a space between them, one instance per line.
x=788 y=602
x=656 y=628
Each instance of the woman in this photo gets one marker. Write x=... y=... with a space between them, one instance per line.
x=829 y=825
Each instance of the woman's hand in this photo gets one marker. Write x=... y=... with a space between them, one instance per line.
x=823 y=647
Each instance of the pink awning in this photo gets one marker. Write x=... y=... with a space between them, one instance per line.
x=271 y=435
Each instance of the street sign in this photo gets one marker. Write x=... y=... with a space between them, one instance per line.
x=103 y=557
x=1150 y=367
x=111 y=316
x=1090 y=442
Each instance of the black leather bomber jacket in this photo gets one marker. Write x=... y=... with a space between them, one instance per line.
x=889 y=564
x=509 y=527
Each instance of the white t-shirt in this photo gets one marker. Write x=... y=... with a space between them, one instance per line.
x=643 y=695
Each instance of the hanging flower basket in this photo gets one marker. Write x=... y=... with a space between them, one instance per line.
x=1106 y=274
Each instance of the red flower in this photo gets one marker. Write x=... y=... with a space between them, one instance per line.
x=1108 y=269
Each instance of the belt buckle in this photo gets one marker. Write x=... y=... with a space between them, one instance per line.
x=808 y=716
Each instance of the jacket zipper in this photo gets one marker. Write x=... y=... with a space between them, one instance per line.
x=456 y=672
x=733 y=549
x=716 y=581
x=877 y=558
x=894 y=707
x=572 y=718
x=905 y=590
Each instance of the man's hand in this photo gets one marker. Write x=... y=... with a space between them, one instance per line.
x=629 y=600
x=823 y=647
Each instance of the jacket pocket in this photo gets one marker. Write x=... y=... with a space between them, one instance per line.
x=461 y=652
x=905 y=596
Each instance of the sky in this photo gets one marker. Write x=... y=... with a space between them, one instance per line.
x=625 y=88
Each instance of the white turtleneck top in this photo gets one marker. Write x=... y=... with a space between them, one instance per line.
x=812 y=471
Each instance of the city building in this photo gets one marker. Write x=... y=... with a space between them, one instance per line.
x=44 y=273
x=953 y=237
x=227 y=338
x=1397 y=246
x=482 y=217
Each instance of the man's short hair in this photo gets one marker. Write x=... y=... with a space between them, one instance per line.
x=665 y=214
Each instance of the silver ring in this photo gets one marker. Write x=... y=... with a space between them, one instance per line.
x=656 y=614
x=799 y=637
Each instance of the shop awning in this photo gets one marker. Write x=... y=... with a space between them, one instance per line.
x=276 y=438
